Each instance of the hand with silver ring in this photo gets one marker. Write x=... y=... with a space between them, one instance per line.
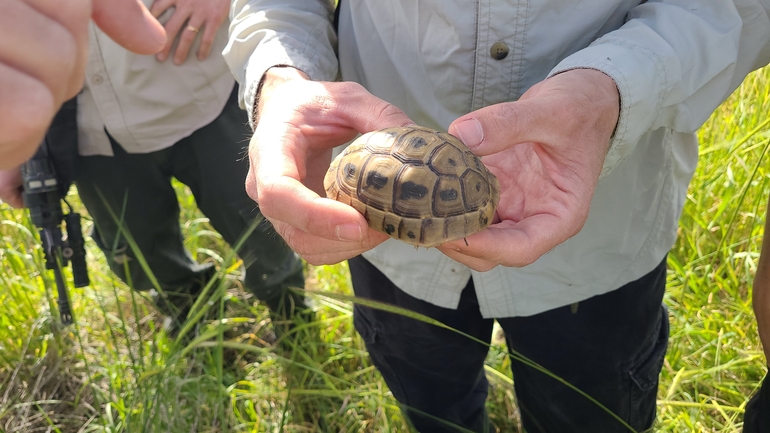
x=189 y=18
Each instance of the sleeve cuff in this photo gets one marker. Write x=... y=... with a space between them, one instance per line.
x=641 y=81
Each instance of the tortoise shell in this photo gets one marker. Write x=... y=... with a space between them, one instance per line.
x=415 y=184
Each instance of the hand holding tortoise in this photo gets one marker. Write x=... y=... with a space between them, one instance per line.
x=547 y=151
x=299 y=123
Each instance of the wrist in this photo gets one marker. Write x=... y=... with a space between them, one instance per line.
x=272 y=78
x=606 y=94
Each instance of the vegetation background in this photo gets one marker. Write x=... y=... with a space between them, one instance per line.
x=117 y=370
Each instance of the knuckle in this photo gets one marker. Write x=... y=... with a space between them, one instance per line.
x=349 y=88
x=251 y=188
x=264 y=197
x=508 y=118
x=482 y=267
x=383 y=109
x=287 y=233
x=314 y=259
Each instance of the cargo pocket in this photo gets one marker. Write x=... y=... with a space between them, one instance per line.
x=645 y=376
x=116 y=255
x=378 y=350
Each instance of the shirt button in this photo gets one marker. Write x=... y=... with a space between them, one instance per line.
x=97 y=79
x=499 y=50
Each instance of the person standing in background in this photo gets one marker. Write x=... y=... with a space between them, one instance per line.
x=143 y=120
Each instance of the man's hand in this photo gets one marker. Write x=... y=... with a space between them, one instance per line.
x=299 y=122
x=189 y=18
x=43 y=53
x=11 y=187
x=547 y=151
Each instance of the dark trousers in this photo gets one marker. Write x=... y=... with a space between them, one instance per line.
x=138 y=189
x=611 y=347
x=757 y=416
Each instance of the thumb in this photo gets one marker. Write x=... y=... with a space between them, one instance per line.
x=498 y=127
x=130 y=24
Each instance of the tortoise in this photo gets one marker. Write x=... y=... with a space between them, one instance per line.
x=418 y=185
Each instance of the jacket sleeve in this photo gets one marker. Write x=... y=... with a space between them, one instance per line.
x=674 y=62
x=267 y=33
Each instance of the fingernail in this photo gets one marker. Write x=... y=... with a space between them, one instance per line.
x=349 y=232
x=160 y=57
x=470 y=132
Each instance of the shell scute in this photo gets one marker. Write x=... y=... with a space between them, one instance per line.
x=411 y=147
x=376 y=184
x=449 y=199
x=448 y=160
x=475 y=190
x=414 y=191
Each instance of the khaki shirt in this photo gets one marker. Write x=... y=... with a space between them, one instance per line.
x=148 y=105
x=673 y=62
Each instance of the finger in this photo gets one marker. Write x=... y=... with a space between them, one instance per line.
x=207 y=39
x=47 y=42
x=173 y=28
x=319 y=251
x=514 y=244
x=130 y=24
x=478 y=265
x=287 y=200
x=160 y=6
x=497 y=127
x=278 y=162
x=186 y=39
x=26 y=109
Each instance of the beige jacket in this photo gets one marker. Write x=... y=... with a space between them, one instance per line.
x=148 y=105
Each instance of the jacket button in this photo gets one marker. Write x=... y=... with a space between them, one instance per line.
x=499 y=50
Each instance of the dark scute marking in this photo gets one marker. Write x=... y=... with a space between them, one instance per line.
x=418 y=142
x=413 y=190
x=389 y=229
x=350 y=170
x=376 y=179
x=411 y=235
x=478 y=186
x=452 y=162
x=448 y=194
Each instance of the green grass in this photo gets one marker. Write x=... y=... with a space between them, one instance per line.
x=118 y=371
